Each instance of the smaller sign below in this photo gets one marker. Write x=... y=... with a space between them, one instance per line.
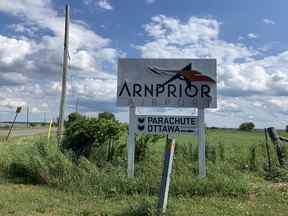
x=162 y=124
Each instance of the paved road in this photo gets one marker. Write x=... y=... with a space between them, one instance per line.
x=24 y=132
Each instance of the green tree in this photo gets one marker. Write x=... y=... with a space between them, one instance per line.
x=106 y=115
x=110 y=131
x=73 y=117
x=82 y=135
x=247 y=126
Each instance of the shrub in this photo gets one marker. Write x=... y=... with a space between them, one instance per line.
x=84 y=134
x=24 y=173
x=39 y=163
x=81 y=136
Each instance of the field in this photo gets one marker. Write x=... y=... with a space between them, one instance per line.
x=36 y=178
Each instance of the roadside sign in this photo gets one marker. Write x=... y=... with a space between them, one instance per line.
x=163 y=124
x=167 y=83
x=18 y=109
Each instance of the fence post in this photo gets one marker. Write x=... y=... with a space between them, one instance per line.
x=267 y=150
x=278 y=145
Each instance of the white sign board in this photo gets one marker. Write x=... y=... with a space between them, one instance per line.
x=167 y=83
x=161 y=124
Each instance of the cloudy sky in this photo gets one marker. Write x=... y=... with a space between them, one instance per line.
x=248 y=38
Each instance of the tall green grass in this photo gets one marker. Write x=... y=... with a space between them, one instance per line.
x=233 y=158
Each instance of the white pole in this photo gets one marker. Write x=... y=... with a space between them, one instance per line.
x=131 y=141
x=201 y=143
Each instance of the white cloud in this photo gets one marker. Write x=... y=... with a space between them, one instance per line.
x=87 y=2
x=244 y=81
x=227 y=106
x=198 y=37
x=252 y=36
x=12 y=104
x=42 y=14
x=173 y=31
x=105 y=4
x=12 y=49
x=38 y=60
x=268 y=21
x=100 y=90
x=12 y=78
x=280 y=101
x=239 y=74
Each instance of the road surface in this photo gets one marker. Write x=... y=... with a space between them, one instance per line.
x=24 y=132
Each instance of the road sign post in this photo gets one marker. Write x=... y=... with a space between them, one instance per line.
x=18 y=110
x=166 y=175
x=201 y=143
x=131 y=141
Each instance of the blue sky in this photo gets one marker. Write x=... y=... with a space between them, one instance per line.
x=248 y=39
x=124 y=23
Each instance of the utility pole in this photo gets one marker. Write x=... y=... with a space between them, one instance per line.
x=64 y=76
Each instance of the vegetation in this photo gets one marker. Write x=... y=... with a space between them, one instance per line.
x=239 y=181
x=247 y=126
x=107 y=115
x=83 y=135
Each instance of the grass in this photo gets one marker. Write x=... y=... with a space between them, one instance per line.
x=236 y=183
x=19 y=199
